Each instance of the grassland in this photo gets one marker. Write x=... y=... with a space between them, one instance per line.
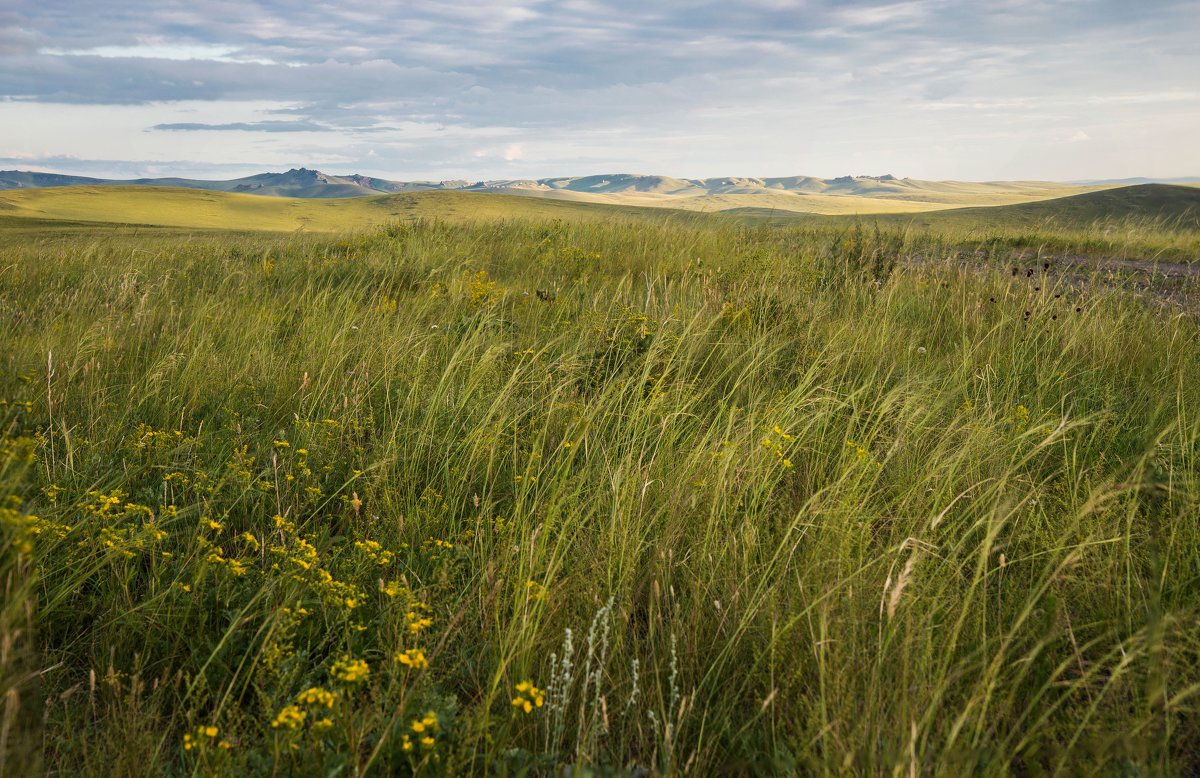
x=1151 y=221
x=194 y=209
x=809 y=196
x=779 y=202
x=627 y=495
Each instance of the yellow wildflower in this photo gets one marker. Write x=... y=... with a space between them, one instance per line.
x=316 y=696
x=350 y=670
x=413 y=658
x=528 y=697
x=291 y=717
x=199 y=737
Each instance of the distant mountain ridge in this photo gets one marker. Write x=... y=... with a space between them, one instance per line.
x=303 y=182
x=297 y=182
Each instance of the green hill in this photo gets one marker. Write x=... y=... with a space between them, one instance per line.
x=1137 y=221
x=190 y=208
x=1175 y=206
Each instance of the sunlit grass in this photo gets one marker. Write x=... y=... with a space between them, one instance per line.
x=512 y=497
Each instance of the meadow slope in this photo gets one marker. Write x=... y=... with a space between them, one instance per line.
x=190 y=208
x=619 y=496
x=1145 y=221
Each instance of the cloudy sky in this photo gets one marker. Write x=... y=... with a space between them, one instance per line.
x=1004 y=89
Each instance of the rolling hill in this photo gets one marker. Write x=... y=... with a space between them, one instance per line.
x=802 y=194
x=1174 y=206
x=1178 y=207
x=297 y=182
x=190 y=208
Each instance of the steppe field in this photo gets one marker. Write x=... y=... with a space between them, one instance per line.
x=458 y=483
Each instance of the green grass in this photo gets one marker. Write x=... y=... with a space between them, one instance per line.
x=737 y=500
x=1142 y=222
x=1146 y=221
x=196 y=209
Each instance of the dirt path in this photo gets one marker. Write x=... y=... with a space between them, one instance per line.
x=1153 y=267
x=1174 y=285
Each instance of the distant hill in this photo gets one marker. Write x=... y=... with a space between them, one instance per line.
x=297 y=182
x=774 y=196
x=640 y=189
x=1139 y=180
x=88 y=207
x=1177 y=206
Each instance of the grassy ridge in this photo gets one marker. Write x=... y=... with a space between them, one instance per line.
x=734 y=500
x=1177 y=206
x=190 y=208
x=1141 y=222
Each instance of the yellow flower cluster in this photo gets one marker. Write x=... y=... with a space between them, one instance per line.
x=392 y=589
x=147 y=438
x=418 y=617
x=413 y=658
x=216 y=556
x=424 y=729
x=204 y=736
x=291 y=717
x=280 y=646
x=26 y=528
x=301 y=556
x=437 y=548
x=481 y=289
x=528 y=697
x=316 y=695
x=350 y=670
x=777 y=443
x=242 y=464
x=375 y=552
x=386 y=304
x=18 y=451
x=104 y=506
x=862 y=454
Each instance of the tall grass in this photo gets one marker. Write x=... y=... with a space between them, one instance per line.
x=702 y=499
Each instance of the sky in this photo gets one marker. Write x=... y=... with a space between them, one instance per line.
x=443 y=89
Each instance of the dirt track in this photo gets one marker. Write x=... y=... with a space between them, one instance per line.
x=1153 y=267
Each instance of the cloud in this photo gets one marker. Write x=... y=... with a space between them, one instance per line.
x=877 y=15
x=14 y=40
x=267 y=126
x=763 y=86
x=170 y=51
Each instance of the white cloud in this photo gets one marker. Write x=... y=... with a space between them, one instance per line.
x=180 y=52
x=928 y=88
